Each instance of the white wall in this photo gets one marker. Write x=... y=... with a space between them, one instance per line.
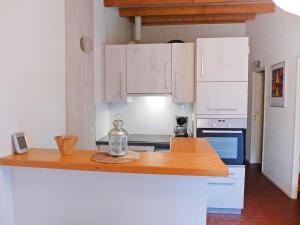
x=109 y=29
x=189 y=33
x=32 y=81
x=34 y=61
x=275 y=38
x=150 y=115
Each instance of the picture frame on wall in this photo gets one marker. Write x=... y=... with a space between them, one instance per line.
x=278 y=85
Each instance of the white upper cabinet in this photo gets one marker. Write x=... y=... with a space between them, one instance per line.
x=218 y=99
x=115 y=73
x=183 y=72
x=149 y=69
x=222 y=59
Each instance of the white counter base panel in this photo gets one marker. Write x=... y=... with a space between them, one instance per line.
x=61 y=197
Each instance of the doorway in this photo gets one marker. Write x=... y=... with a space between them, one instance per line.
x=257 y=119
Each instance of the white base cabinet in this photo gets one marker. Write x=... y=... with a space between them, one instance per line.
x=226 y=195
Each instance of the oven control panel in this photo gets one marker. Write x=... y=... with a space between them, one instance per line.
x=222 y=123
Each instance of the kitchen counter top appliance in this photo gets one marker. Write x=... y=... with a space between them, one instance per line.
x=181 y=129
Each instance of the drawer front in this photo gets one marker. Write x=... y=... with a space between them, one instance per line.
x=236 y=172
x=226 y=193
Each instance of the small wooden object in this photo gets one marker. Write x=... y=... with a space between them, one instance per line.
x=66 y=144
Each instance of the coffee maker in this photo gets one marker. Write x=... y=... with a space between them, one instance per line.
x=181 y=129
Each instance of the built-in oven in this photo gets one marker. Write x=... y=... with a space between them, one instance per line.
x=227 y=137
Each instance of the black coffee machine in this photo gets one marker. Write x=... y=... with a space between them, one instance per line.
x=181 y=129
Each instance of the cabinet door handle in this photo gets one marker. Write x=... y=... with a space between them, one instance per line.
x=202 y=62
x=222 y=132
x=221 y=184
x=166 y=76
x=176 y=77
x=222 y=109
x=121 y=86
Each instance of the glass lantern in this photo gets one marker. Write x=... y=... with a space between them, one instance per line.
x=118 y=139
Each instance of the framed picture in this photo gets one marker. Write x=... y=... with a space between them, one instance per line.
x=278 y=85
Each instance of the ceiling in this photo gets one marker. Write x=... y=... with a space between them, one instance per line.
x=172 y=12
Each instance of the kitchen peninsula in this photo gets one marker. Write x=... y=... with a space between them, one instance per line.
x=167 y=188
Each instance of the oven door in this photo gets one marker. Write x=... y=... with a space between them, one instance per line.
x=228 y=143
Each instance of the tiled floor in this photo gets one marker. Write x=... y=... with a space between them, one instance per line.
x=299 y=183
x=264 y=205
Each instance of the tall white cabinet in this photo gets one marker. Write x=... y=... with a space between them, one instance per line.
x=222 y=93
x=149 y=69
x=222 y=77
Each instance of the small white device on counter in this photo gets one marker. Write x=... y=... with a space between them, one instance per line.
x=20 y=143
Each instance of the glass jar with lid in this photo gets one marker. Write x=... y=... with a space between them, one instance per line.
x=118 y=139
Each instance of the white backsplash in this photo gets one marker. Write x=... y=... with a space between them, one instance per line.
x=151 y=114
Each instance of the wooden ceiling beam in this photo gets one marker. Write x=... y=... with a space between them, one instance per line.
x=194 y=22
x=195 y=18
x=198 y=9
x=143 y=3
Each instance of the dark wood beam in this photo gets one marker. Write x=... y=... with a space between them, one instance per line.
x=198 y=10
x=194 y=19
x=143 y=3
x=194 y=22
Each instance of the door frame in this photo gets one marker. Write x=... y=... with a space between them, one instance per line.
x=295 y=165
x=261 y=71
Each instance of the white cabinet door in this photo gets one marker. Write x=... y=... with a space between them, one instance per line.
x=183 y=72
x=222 y=59
x=149 y=69
x=222 y=98
x=115 y=73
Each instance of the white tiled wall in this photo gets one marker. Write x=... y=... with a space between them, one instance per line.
x=150 y=115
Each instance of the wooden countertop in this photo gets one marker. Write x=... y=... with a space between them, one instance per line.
x=188 y=156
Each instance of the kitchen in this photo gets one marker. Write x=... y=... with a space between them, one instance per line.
x=150 y=114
